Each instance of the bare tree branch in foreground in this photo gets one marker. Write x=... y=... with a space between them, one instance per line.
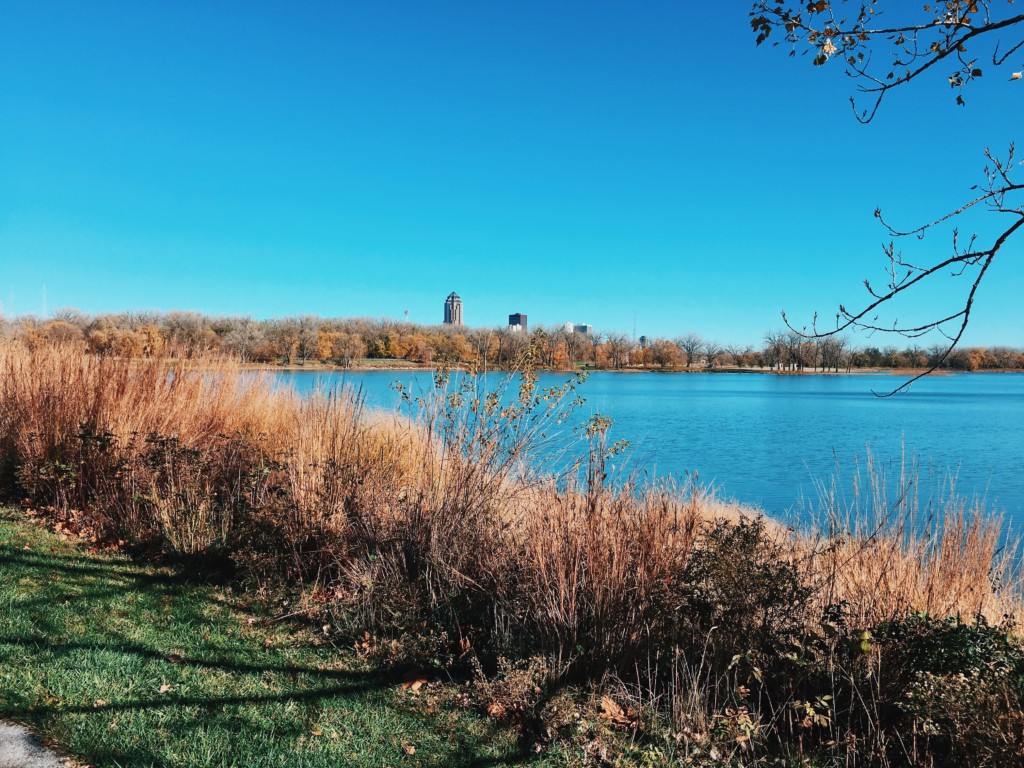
x=910 y=43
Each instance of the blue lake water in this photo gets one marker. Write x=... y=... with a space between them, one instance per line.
x=766 y=440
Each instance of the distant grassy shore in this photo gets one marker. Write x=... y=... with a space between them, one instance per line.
x=374 y=364
x=604 y=625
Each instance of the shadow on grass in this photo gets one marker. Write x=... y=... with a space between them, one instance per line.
x=167 y=570
x=371 y=682
x=392 y=674
x=120 y=580
x=83 y=565
x=140 y=756
x=78 y=585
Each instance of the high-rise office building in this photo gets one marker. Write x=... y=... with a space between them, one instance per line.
x=517 y=322
x=453 y=309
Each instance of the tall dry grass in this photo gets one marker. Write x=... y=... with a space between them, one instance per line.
x=195 y=455
x=441 y=521
x=890 y=547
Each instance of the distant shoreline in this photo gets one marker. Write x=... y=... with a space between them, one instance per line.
x=406 y=367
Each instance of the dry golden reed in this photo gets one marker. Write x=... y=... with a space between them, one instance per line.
x=444 y=511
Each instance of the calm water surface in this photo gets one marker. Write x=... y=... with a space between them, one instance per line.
x=766 y=440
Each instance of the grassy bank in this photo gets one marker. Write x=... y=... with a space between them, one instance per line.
x=127 y=664
x=704 y=635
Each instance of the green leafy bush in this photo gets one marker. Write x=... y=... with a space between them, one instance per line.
x=742 y=589
x=955 y=688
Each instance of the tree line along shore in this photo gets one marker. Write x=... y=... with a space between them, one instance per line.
x=349 y=342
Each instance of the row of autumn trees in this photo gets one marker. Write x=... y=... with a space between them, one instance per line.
x=304 y=339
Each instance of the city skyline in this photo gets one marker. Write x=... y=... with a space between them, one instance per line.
x=635 y=334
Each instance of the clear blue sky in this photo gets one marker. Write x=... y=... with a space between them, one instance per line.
x=582 y=161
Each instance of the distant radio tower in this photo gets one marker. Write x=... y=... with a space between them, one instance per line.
x=407 y=315
x=634 y=325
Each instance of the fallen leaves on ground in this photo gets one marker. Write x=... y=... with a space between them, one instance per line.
x=413 y=682
x=616 y=715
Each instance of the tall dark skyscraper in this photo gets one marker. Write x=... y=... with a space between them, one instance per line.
x=517 y=321
x=453 y=309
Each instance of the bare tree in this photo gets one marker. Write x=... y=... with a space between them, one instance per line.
x=691 y=345
x=309 y=327
x=915 y=356
x=184 y=329
x=243 y=339
x=619 y=346
x=285 y=334
x=883 y=45
x=72 y=316
x=737 y=354
x=348 y=347
x=575 y=343
x=776 y=351
x=797 y=351
x=511 y=345
x=480 y=340
x=542 y=346
x=712 y=349
x=833 y=352
x=593 y=340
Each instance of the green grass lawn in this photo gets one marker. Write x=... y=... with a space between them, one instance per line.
x=123 y=664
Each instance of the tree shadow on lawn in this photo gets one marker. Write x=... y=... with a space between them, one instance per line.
x=77 y=586
x=138 y=756
x=470 y=753
x=168 y=573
